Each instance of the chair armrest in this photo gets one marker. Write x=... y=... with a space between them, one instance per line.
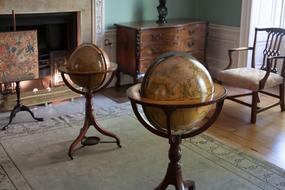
x=230 y=51
x=241 y=49
x=268 y=69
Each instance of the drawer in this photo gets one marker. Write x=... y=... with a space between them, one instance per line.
x=145 y=62
x=157 y=49
x=191 y=44
x=154 y=36
x=192 y=30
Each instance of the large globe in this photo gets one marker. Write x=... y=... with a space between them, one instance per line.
x=86 y=59
x=177 y=76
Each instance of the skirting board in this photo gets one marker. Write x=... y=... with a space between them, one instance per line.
x=220 y=39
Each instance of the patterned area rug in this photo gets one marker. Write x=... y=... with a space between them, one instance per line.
x=33 y=155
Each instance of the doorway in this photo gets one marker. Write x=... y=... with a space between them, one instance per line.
x=259 y=13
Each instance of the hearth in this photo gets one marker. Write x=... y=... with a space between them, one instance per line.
x=57 y=37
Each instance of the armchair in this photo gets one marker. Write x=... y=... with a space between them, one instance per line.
x=258 y=79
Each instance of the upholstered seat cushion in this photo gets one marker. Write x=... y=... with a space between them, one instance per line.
x=248 y=78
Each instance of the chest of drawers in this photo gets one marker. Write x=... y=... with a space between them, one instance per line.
x=138 y=44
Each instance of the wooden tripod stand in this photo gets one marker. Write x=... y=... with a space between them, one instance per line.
x=89 y=117
x=19 y=107
x=90 y=120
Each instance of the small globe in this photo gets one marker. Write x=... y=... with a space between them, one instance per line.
x=88 y=58
x=177 y=76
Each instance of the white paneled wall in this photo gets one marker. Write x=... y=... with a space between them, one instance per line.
x=220 y=39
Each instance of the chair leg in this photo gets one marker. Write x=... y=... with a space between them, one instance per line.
x=281 y=94
x=254 y=107
x=258 y=99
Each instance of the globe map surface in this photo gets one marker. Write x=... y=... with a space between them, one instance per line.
x=87 y=59
x=177 y=76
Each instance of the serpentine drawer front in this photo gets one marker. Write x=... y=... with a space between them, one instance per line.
x=138 y=44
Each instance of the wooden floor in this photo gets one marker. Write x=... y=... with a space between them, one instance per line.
x=266 y=138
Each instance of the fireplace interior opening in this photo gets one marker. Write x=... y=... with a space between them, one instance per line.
x=57 y=37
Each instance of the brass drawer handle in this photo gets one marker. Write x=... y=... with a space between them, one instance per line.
x=190 y=44
x=192 y=31
x=154 y=50
x=156 y=36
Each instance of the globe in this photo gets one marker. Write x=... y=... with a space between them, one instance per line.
x=89 y=68
x=88 y=58
x=177 y=76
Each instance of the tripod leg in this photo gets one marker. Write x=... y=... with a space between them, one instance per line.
x=174 y=178
x=13 y=113
x=19 y=107
x=162 y=186
x=79 y=138
x=190 y=184
x=104 y=132
x=179 y=186
x=25 y=108
x=173 y=174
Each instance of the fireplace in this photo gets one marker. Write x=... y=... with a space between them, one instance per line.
x=88 y=24
x=57 y=37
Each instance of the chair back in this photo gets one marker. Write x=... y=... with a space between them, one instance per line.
x=271 y=47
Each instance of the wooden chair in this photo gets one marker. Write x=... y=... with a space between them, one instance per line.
x=258 y=79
